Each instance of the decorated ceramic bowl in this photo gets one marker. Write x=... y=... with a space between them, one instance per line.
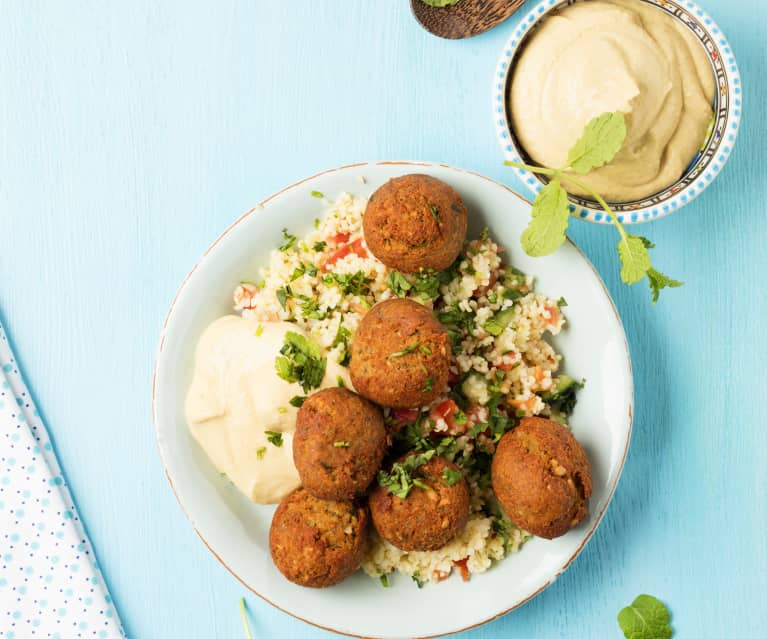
x=706 y=164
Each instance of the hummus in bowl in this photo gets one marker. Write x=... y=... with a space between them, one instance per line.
x=664 y=64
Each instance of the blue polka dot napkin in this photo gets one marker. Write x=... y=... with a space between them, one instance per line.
x=50 y=583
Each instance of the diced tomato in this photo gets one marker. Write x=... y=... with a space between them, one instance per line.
x=554 y=312
x=462 y=567
x=405 y=415
x=448 y=410
x=355 y=247
x=526 y=405
x=440 y=576
x=340 y=238
x=506 y=366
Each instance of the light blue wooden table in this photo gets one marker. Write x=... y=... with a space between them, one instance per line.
x=132 y=133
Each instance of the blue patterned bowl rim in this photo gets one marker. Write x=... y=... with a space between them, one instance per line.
x=705 y=166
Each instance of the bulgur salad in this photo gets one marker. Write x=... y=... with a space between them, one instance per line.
x=503 y=367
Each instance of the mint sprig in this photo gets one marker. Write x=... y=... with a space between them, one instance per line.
x=600 y=141
x=645 y=618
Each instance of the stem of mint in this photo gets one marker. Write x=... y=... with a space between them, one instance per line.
x=244 y=617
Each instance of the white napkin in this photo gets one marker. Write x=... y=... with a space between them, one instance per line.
x=50 y=583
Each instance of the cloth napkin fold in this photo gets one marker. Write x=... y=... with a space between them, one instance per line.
x=50 y=584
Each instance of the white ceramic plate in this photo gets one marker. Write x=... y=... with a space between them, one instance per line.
x=236 y=530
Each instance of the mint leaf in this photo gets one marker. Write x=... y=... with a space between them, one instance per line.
x=645 y=618
x=658 y=281
x=602 y=138
x=635 y=258
x=550 y=215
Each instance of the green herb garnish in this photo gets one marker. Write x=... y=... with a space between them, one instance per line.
x=427 y=284
x=301 y=361
x=319 y=246
x=341 y=444
x=451 y=477
x=645 y=618
x=282 y=296
x=307 y=268
x=385 y=581
x=428 y=385
x=399 y=480
x=317 y=194
x=350 y=284
x=340 y=382
x=342 y=337
x=562 y=397
x=406 y=351
x=273 y=438
x=297 y=401
x=561 y=302
x=259 y=330
x=398 y=283
x=289 y=241
x=417 y=578
x=602 y=138
x=434 y=210
x=260 y=451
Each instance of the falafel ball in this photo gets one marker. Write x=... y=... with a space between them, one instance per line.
x=542 y=478
x=400 y=355
x=338 y=444
x=429 y=517
x=415 y=222
x=317 y=543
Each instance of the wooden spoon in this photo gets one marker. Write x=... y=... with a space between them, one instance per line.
x=465 y=19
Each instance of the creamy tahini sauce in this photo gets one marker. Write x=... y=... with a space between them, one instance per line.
x=601 y=56
x=236 y=395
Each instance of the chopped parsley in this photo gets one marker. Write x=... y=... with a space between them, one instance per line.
x=310 y=308
x=350 y=284
x=297 y=400
x=434 y=210
x=561 y=302
x=417 y=578
x=340 y=382
x=283 y=294
x=385 y=581
x=562 y=397
x=424 y=349
x=273 y=438
x=259 y=330
x=427 y=284
x=342 y=337
x=317 y=194
x=398 y=283
x=289 y=241
x=451 y=477
x=301 y=361
x=282 y=409
x=260 y=451
x=399 y=480
x=304 y=268
x=428 y=385
x=319 y=246
x=406 y=351
x=341 y=444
